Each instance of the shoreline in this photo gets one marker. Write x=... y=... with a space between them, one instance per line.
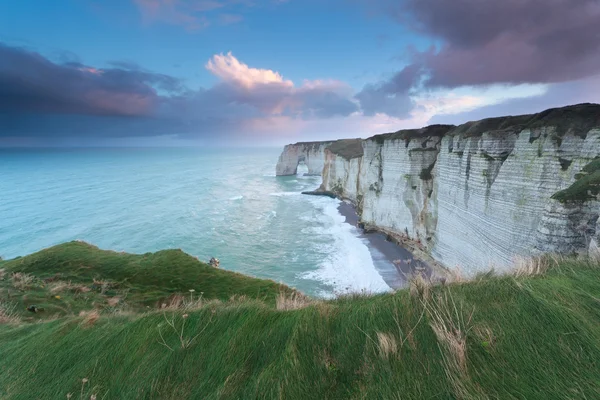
x=394 y=262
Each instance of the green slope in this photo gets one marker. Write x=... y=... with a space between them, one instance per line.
x=531 y=337
x=90 y=277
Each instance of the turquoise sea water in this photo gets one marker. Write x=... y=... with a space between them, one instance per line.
x=210 y=203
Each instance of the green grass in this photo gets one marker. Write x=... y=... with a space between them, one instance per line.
x=138 y=281
x=347 y=148
x=577 y=119
x=586 y=185
x=531 y=337
x=409 y=134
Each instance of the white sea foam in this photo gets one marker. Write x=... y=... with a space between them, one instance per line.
x=348 y=266
x=234 y=198
x=282 y=194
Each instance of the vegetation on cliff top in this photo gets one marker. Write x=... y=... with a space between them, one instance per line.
x=74 y=277
x=577 y=119
x=586 y=185
x=531 y=336
x=409 y=134
x=347 y=148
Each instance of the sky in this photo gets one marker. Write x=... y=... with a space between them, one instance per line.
x=271 y=72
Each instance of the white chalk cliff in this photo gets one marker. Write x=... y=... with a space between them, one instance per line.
x=310 y=153
x=476 y=195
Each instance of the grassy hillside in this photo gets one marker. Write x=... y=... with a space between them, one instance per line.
x=535 y=336
x=76 y=276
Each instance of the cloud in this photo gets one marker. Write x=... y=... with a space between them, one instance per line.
x=557 y=95
x=484 y=42
x=228 y=68
x=32 y=83
x=195 y=15
x=269 y=92
x=44 y=99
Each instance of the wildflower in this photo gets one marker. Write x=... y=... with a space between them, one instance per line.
x=185 y=316
x=84 y=380
x=69 y=395
x=57 y=297
x=192 y=290
x=93 y=397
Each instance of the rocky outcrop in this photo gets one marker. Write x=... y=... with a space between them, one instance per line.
x=310 y=153
x=313 y=155
x=481 y=193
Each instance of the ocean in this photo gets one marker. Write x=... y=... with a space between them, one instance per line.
x=224 y=203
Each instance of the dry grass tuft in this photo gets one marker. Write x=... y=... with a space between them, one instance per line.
x=456 y=275
x=485 y=336
x=103 y=285
x=420 y=287
x=173 y=302
x=387 y=344
x=2 y=273
x=451 y=325
x=23 y=281
x=90 y=317
x=294 y=301
x=531 y=266
x=238 y=299
x=80 y=289
x=62 y=286
x=113 y=301
x=59 y=286
x=8 y=314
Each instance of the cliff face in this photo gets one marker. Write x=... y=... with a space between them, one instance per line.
x=481 y=193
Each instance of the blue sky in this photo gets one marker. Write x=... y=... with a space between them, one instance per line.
x=290 y=37
x=312 y=69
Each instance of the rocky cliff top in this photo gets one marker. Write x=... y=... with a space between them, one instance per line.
x=347 y=148
x=577 y=119
x=408 y=134
x=315 y=144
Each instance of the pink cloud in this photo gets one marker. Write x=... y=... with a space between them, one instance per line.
x=267 y=90
x=230 y=69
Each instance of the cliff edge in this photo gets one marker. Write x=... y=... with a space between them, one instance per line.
x=478 y=194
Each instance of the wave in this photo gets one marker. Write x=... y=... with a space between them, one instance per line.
x=348 y=266
x=283 y=194
x=234 y=198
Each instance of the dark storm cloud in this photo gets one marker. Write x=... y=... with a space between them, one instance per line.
x=40 y=98
x=390 y=97
x=489 y=41
x=32 y=83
